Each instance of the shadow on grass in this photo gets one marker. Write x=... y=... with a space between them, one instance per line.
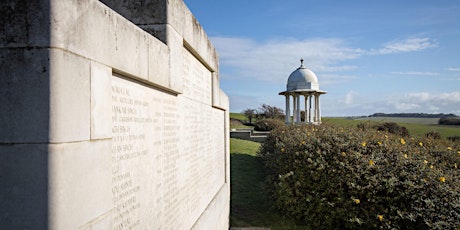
x=250 y=203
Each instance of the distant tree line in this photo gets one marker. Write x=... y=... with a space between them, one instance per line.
x=420 y=115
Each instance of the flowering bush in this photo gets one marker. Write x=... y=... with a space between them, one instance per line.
x=346 y=178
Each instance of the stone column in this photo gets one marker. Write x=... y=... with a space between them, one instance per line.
x=309 y=108
x=319 y=110
x=294 y=107
x=288 y=109
x=306 y=108
x=298 y=108
x=316 y=108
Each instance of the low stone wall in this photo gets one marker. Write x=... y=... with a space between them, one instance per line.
x=107 y=124
x=249 y=134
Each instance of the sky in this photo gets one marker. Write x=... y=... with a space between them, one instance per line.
x=392 y=56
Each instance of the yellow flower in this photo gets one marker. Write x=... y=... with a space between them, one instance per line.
x=431 y=166
x=449 y=148
x=364 y=144
x=405 y=155
x=357 y=201
x=425 y=161
x=344 y=154
x=282 y=150
x=380 y=217
x=403 y=141
x=371 y=162
x=380 y=143
x=386 y=136
x=458 y=152
x=421 y=144
x=303 y=143
x=442 y=179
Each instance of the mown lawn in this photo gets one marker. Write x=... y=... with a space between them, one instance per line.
x=251 y=206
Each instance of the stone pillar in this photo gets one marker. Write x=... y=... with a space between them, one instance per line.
x=294 y=106
x=309 y=108
x=319 y=110
x=298 y=108
x=288 y=109
x=306 y=108
x=316 y=108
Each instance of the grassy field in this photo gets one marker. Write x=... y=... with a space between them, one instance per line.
x=416 y=126
x=238 y=116
x=251 y=206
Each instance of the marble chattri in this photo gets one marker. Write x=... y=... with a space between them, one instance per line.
x=303 y=83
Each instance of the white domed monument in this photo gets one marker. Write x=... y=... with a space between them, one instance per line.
x=303 y=83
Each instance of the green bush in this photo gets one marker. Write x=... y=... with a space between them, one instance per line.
x=449 y=121
x=433 y=135
x=335 y=178
x=394 y=128
x=268 y=124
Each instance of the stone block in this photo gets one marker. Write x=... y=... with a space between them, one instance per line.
x=90 y=29
x=80 y=182
x=159 y=64
x=70 y=102
x=24 y=23
x=101 y=101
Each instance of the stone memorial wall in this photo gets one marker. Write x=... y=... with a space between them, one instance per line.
x=109 y=121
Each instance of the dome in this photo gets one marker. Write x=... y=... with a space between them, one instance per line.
x=302 y=79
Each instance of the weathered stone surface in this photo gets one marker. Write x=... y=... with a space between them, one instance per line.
x=24 y=23
x=105 y=126
x=24 y=95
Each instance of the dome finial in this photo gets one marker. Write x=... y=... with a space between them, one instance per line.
x=301 y=62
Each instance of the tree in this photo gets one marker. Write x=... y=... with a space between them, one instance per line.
x=250 y=113
x=267 y=111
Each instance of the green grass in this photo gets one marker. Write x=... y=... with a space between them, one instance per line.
x=238 y=116
x=251 y=206
x=417 y=126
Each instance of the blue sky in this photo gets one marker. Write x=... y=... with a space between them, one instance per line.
x=370 y=56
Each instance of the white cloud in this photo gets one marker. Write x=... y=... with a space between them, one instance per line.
x=417 y=73
x=274 y=60
x=408 y=45
x=349 y=98
x=448 y=102
x=453 y=69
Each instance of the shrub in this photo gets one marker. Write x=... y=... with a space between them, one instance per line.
x=454 y=138
x=433 y=135
x=268 y=124
x=394 y=128
x=336 y=178
x=449 y=121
